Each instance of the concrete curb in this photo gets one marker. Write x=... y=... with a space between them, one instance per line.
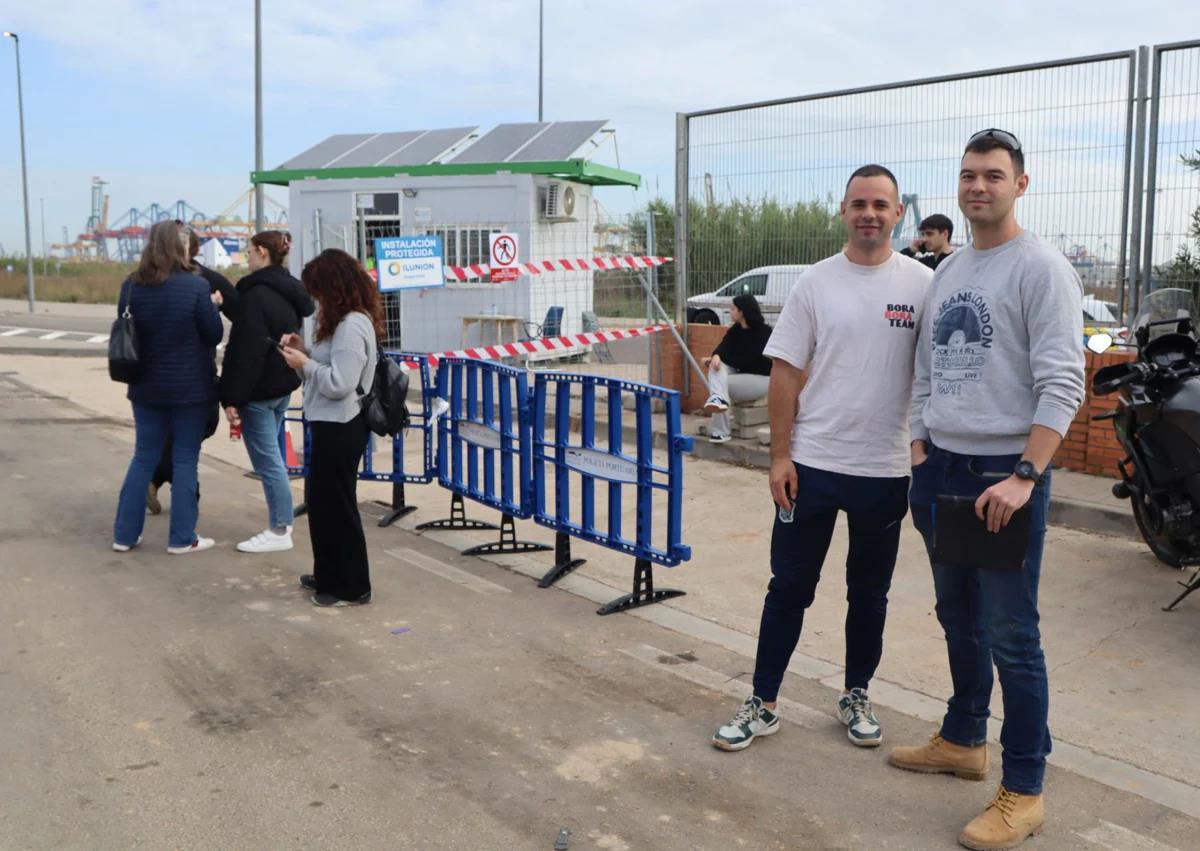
x=93 y=352
x=1092 y=518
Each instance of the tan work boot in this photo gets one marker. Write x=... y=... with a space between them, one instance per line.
x=152 y=502
x=942 y=757
x=1008 y=821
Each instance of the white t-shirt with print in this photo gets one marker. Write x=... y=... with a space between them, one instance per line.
x=854 y=330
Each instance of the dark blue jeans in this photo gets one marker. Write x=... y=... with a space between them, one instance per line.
x=990 y=617
x=874 y=508
x=151 y=426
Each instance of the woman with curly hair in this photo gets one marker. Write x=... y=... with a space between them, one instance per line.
x=337 y=371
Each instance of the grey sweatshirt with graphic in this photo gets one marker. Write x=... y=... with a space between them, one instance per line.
x=1000 y=350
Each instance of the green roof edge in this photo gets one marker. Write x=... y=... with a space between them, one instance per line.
x=580 y=171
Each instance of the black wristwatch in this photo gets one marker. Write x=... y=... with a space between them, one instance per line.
x=1026 y=470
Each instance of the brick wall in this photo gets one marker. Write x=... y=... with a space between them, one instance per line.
x=1089 y=447
x=702 y=339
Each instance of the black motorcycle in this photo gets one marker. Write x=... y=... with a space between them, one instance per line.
x=1157 y=421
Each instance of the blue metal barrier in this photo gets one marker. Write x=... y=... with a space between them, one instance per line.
x=422 y=420
x=484 y=448
x=591 y=462
x=296 y=415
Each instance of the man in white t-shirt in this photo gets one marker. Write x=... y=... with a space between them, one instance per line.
x=839 y=397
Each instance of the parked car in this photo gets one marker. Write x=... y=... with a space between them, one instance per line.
x=769 y=284
x=1100 y=317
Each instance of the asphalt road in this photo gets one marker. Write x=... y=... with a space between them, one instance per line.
x=200 y=701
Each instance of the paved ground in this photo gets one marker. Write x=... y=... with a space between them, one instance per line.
x=200 y=701
x=215 y=663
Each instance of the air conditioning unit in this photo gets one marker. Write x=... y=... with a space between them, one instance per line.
x=558 y=201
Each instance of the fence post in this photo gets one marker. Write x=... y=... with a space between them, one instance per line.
x=681 y=231
x=1152 y=170
x=1139 y=172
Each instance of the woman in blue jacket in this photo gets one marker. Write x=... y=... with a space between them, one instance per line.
x=177 y=330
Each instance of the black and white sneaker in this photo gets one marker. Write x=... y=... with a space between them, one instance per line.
x=714 y=404
x=750 y=721
x=862 y=728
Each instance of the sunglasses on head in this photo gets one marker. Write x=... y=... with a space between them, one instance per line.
x=1005 y=138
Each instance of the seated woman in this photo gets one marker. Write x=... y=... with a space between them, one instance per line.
x=737 y=370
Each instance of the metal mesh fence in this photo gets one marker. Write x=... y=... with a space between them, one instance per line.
x=1173 y=198
x=763 y=181
x=477 y=311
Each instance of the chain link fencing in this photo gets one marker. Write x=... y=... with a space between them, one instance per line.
x=1172 y=256
x=761 y=183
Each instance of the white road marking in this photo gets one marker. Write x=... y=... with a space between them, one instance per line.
x=99 y=338
x=53 y=335
x=789 y=710
x=448 y=571
x=1109 y=835
x=14 y=332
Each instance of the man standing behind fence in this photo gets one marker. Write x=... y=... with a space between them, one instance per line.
x=999 y=377
x=933 y=244
x=838 y=401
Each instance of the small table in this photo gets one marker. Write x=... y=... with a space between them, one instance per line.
x=515 y=325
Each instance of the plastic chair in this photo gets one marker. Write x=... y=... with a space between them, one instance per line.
x=551 y=326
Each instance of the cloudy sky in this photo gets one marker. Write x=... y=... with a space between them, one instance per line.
x=157 y=96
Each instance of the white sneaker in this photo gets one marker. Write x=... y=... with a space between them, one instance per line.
x=751 y=721
x=267 y=541
x=718 y=438
x=716 y=404
x=862 y=727
x=194 y=547
x=439 y=407
x=124 y=548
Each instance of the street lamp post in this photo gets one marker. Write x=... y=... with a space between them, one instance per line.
x=258 y=128
x=540 y=42
x=24 y=174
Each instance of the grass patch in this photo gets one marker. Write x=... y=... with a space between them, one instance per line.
x=84 y=283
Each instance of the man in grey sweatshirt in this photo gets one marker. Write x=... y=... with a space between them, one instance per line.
x=998 y=379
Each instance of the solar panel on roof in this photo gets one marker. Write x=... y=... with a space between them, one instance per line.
x=320 y=154
x=558 y=141
x=500 y=143
x=355 y=150
x=521 y=142
x=427 y=147
x=376 y=149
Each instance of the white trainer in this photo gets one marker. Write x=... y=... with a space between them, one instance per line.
x=124 y=548
x=194 y=547
x=267 y=541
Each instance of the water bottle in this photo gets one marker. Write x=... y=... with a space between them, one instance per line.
x=235 y=430
x=786 y=515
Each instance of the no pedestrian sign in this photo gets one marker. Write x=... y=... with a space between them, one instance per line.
x=504 y=258
x=409 y=262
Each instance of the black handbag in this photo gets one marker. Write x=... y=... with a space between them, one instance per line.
x=123 y=362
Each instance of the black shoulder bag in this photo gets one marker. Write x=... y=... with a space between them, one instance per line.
x=123 y=362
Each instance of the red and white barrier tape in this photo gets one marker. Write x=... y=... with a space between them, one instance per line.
x=544 y=344
x=578 y=264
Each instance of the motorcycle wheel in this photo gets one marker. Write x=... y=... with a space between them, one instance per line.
x=1164 y=549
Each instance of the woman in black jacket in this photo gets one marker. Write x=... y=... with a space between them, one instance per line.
x=737 y=369
x=257 y=384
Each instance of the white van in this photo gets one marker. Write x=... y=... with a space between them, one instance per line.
x=769 y=284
